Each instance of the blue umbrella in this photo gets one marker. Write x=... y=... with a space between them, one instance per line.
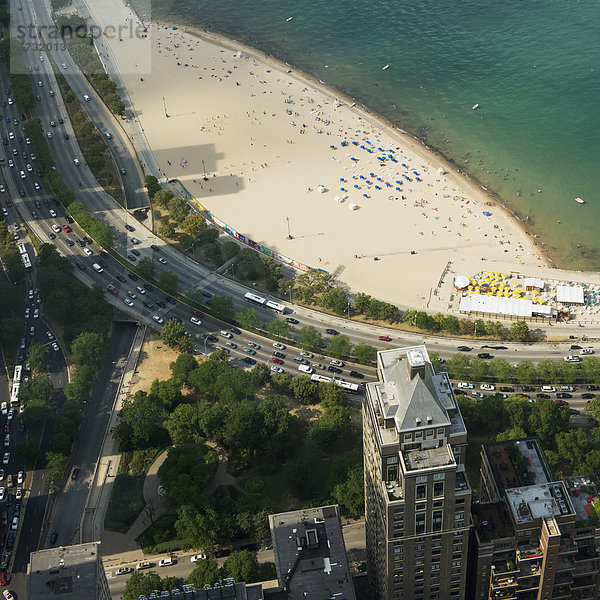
x=341 y=179
x=355 y=186
x=372 y=174
x=365 y=195
x=368 y=182
x=487 y=213
x=342 y=190
x=397 y=189
x=361 y=176
x=415 y=173
x=379 y=179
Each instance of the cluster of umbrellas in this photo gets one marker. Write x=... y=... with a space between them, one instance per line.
x=497 y=284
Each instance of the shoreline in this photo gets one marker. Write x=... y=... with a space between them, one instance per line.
x=257 y=183
x=382 y=122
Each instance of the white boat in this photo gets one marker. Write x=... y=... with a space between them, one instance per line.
x=475 y=106
x=386 y=67
x=580 y=200
x=289 y=19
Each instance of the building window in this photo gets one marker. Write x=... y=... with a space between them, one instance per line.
x=456 y=563
x=418 y=435
x=459 y=516
x=437 y=520
x=439 y=476
x=429 y=433
x=438 y=489
x=421 y=492
x=460 y=501
x=420 y=523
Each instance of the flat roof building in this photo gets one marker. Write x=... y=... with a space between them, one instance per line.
x=68 y=573
x=417 y=495
x=534 y=536
x=310 y=555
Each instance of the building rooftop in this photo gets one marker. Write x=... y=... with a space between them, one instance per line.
x=579 y=490
x=310 y=555
x=68 y=573
x=492 y=521
x=226 y=589
x=534 y=502
x=516 y=463
x=428 y=459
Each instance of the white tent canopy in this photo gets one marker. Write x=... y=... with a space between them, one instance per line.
x=569 y=294
x=461 y=282
x=534 y=282
x=513 y=307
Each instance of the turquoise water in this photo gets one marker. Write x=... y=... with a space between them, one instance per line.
x=533 y=67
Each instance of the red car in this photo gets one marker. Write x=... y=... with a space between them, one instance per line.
x=1 y=540
x=277 y=361
x=385 y=338
x=2 y=577
x=80 y=265
x=67 y=228
x=197 y=313
x=112 y=289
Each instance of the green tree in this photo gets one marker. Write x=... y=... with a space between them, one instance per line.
x=459 y=366
x=547 y=371
x=526 y=372
x=168 y=391
x=37 y=390
x=229 y=250
x=38 y=358
x=194 y=225
x=152 y=185
x=178 y=209
x=242 y=566
x=547 y=419
x=163 y=197
x=592 y=409
x=182 y=366
x=335 y=299
x=186 y=472
x=56 y=465
x=182 y=425
x=364 y=353
x=166 y=230
x=590 y=369
x=350 y=494
x=88 y=349
x=339 y=346
x=247 y=318
x=145 y=268
x=27 y=449
x=221 y=307
x=278 y=328
x=501 y=369
x=309 y=339
x=199 y=527
x=212 y=252
x=141 y=421
x=479 y=369
x=450 y=324
x=304 y=389
x=168 y=281
x=141 y=584
x=172 y=332
x=519 y=331
x=206 y=572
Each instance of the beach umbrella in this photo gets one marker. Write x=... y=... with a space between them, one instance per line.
x=342 y=189
x=341 y=179
x=379 y=179
x=365 y=195
x=418 y=178
x=333 y=147
x=415 y=173
x=397 y=189
x=174 y=28
x=361 y=176
x=404 y=165
x=487 y=213
x=355 y=186
x=372 y=174
x=368 y=182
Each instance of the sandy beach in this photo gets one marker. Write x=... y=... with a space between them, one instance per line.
x=366 y=202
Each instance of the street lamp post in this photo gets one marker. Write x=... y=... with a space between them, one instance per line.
x=348 y=310
x=290 y=236
x=290 y=290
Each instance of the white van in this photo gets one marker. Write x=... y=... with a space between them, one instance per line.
x=97 y=268
x=548 y=388
x=567 y=388
x=226 y=334
x=305 y=369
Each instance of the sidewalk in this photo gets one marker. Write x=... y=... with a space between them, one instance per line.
x=108 y=461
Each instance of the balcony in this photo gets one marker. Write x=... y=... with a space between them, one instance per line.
x=563 y=579
x=568 y=546
x=500 y=582
x=529 y=569
x=565 y=563
x=561 y=592
x=504 y=567
x=586 y=553
x=529 y=553
x=504 y=594
x=583 y=582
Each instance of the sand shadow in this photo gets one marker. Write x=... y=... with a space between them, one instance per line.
x=188 y=161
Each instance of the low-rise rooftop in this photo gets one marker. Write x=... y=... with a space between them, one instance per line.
x=534 y=502
x=428 y=459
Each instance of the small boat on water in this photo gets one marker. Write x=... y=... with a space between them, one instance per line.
x=475 y=106
x=580 y=200
x=386 y=67
x=289 y=19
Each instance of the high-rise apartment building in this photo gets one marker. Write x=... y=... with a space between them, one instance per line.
x=417 y=496
x=535 y=538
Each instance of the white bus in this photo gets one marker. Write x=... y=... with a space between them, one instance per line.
x=14 y=395
x=351 y=388
x=278 y=308
x=26 y=262
x=17 y=374
x=260 y=301
x=22 y=248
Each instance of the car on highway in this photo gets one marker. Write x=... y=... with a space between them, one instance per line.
x=300 y=360
x=477 y=395
x=487 y=387
x=464 y=349
x=8 y=595
x=158 y=319
x=88 y=251
x=586 y=351
x=593 y=388
x=356 y=375
x=235 y=330
x=336 y=363
x=587 y=396
x=75 y=473
x=2 y=494
x=485 y=355
x=307 y=354
x=145 y=564
x=55 y=228
x=123 y=171
x=276 y=360
x=128 y=302
x=20 y=477
x=121 y=279
x=55 y=347
x=67 y=229
x=250 y=351
x=276 y=369
x=254 y=345
x=131 y=294
x=278 y=354
x=123 y=571
x=107 y=135
x=76 y=161
x=162 y=261
x=249 y=360
x=561 y=402
x=86 y=98
x=459 y=392
x=278 y=346
x=111 y=288
x=196 y=321
x=385 y=338
x=147 y=304
x=140 y=289
x=292 y=320
x=572 y=358
x=154 y=247
x=333 y=369
x=506 y=389
x=231 y=345
x=27 y=312
x=563 y=395
x=36 y=313
x=15 y=523
x=463 y=385
x=6 y=458
x=542 y=396
x=129 y=227
x=196 y=313
x=331 y=331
